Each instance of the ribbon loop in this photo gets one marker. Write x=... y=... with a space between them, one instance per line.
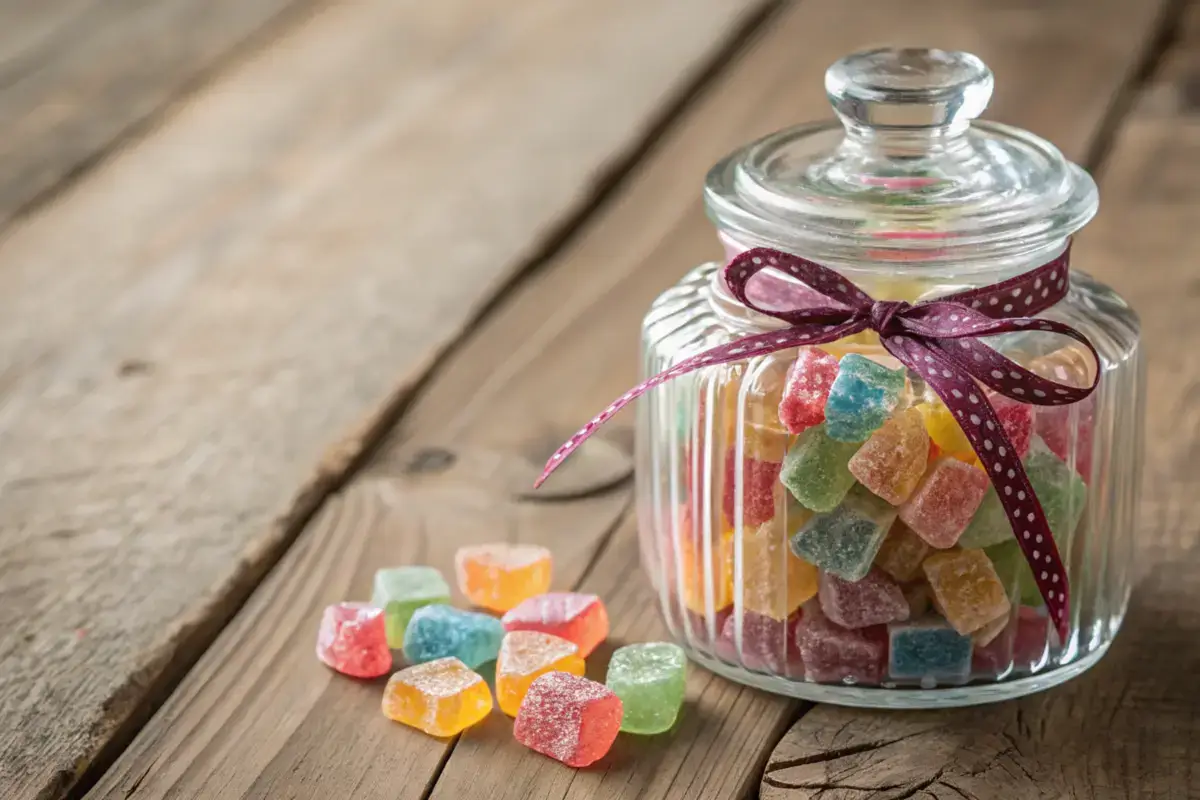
x=937 y=339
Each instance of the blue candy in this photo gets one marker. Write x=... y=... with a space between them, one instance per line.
x=439 y=631
x=862 y=397
x=928 y=650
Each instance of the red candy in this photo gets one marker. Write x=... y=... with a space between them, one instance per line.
x=832 y=653
x=1053 y=424
x=1029 y=645
x=874 y=600
x=768 y=645
x=353 y=640
x=760 y=480
x=944 y=503
x=806 y=389
x=1017 y=420
x=568 y=718
x=994 y=657
x=578 y=618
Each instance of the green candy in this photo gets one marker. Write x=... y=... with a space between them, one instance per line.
x=649 y=678
x=845 y=540
x=400 y=591
x=815 y=470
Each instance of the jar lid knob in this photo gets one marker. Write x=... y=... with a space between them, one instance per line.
x=913 y=88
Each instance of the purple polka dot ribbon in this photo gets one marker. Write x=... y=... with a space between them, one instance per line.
x=937 y=339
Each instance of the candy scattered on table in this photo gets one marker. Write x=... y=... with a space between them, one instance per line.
x=942 y=506
x=966 y=588
x=862 y=397
x=775 y=581
x=768 y=644
x=439 y=631
x=846 y=540
x=928 y=650
x=578 y=618
x=807 y=388
x=759 y=480
x=902 y=553
x=875 y=599
x=649 y=678
x=442 y=698
x=892 y=462
x=352 y=639
x=569 y=718
x=400 y=591
x=499 y=576
x=833 y=654
x=525 y=655
x=816 y=470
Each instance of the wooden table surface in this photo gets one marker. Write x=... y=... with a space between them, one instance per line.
x=293 y=289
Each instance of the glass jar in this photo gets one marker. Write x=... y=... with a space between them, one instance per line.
x=777 y=541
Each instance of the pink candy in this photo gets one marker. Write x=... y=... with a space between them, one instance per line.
x=1016 y=419
x=768 y=645
x=568 y=718
x=832 y=653
x=760 y=480
x=353 y=640
x=874 y=600
x=944 y=503
x=806 y=389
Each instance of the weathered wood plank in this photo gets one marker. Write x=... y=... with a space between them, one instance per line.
x=184 y=334
x=553 y=352
x=78 y=76
x=1130 y=727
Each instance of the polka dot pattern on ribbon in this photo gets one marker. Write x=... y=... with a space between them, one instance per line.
x=938 y=339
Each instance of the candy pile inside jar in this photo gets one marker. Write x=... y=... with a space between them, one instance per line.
x=901 y=564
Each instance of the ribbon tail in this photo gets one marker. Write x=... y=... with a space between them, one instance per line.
x=748 y=347
x=979 y=422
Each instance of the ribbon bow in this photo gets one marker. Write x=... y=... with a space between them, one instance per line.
x=939 y=340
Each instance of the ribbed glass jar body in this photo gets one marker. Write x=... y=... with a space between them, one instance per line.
x=777 y=566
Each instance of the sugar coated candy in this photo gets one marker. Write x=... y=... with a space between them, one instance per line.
x=1014 y=572
x=833 y=654
x=944 y=430
x=928 y=650
x=699 y=631
x=578 y=618
x=942 y=506
x=1060 y=490
x=775 y=581
x=862 y=397
x=707 y=578
x=1017 y=420
x=846 y=540
x=966 y=588
x=988 y=633
x=353 y=640
x=902 y=553
x=917 y=595
x=809 y=379
x=439 y=631
x=1068 y=429
x=400 y=591
x=649 y=678
x=442 y=698
x=525 y=655
x=767 y=644
x=569 y=718
x=816 y=470
x=758 y=483
x=1030 y=641
x=500 y=575
x=994 y=656
x=892 y=461
x=876 y=599
x=989 y=525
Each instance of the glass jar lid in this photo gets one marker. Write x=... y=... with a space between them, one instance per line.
x=909 y=180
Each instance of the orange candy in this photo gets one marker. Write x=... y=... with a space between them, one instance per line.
x=966 y=589
x=441 y=697
x=902 y=553
x=500 y=576
x=691 y=555
x=524 y=655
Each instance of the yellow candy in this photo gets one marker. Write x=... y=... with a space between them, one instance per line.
x=525 y=655
x=966 y=589
x=441 y=697
x=945 y=431
x=902 y=553
x=764 y=437
x=501 y=576
x=769 y=587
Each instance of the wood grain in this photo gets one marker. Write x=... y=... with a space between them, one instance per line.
x=1130 y=727
x=185 y=336
x=77 y=77
x=557 y=349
